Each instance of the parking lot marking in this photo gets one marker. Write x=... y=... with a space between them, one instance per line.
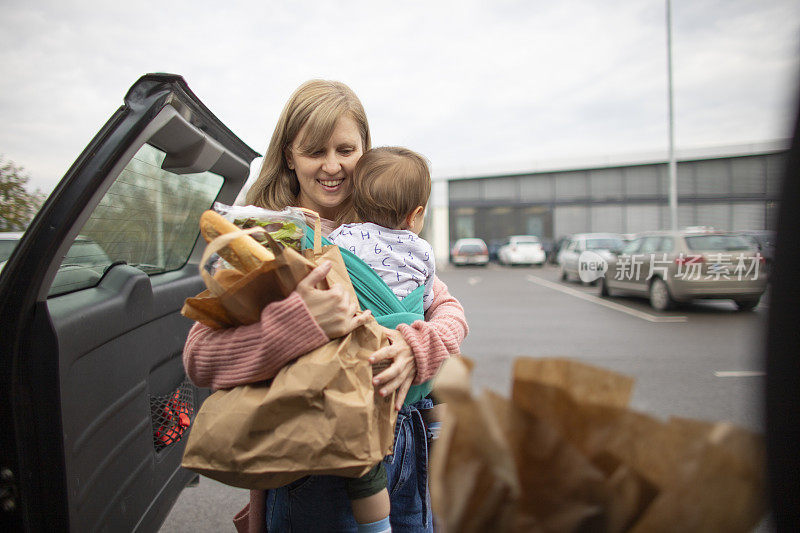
x=473 y=280
x=611 y=305
x=739 y=373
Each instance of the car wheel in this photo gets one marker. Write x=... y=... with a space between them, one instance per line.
x=660 y=298
x=747 y=304
x=564 y=275
x=604 y=290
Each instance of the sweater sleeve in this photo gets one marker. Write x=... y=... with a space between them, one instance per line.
x=439 y=336
x=223 y=358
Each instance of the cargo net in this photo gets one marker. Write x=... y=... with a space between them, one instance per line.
x=171 y=415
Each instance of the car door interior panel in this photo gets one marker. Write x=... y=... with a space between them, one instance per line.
x=91 y=362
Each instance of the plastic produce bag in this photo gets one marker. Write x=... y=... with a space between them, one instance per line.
x=287 y=227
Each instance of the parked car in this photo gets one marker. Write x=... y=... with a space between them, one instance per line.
x=85 y=262
x=601 y=243
x=8 y=242
x=522 y=250
x=469 y=252
x=670 y=267
x=88 y=370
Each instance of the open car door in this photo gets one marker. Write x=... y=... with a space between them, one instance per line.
x=95 y=401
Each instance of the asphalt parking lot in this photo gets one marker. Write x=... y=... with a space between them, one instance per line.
x=702 y=360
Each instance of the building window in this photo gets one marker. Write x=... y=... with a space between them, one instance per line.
x=465 y=190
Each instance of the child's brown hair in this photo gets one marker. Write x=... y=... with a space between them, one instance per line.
x=389 y=182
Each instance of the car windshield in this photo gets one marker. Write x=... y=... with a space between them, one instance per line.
x=527 y=242
x=7 y=248
x=604 y=244
x=717 y=243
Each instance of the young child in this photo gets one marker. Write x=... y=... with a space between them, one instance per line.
x=391 y=187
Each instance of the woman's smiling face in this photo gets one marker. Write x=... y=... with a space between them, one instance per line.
x=326 y=174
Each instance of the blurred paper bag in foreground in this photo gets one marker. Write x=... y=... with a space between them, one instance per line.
x=583 y=461
x=474 y=484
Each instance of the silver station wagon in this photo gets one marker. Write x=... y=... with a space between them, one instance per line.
x=671 y=267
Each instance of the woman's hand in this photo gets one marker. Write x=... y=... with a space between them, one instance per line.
x=334 y=310
x=401 y=373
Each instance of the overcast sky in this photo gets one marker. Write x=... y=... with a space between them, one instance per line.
x=471 y=85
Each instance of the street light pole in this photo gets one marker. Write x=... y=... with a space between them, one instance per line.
x=673 y=170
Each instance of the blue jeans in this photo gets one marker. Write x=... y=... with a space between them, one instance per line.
x=319 y=503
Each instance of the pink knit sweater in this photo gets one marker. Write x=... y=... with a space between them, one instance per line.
x=223 y=358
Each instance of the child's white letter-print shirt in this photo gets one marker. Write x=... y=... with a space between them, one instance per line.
x=401 y=258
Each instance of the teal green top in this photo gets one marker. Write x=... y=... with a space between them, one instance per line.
x=374 y=294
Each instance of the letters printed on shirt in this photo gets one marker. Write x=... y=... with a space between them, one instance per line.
x=401 y=258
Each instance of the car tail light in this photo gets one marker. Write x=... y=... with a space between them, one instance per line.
x=688 y=259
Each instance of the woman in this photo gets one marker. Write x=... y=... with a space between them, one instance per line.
x=320 y=136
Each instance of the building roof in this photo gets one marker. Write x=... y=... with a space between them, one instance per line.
x=610 y=161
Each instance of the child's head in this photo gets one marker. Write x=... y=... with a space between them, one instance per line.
x=391 y=186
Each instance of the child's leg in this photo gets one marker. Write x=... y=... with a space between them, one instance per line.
x=372 y=508
x=370 y=500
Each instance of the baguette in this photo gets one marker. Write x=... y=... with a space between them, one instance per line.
x=243 y=253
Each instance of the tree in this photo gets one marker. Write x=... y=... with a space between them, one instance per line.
x=17 y=205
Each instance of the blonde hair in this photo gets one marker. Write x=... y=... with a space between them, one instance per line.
x=388 y=184
x=318 y=104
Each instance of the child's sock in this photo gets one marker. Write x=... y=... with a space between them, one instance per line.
x=381 y=526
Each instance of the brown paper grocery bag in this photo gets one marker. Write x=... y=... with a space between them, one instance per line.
x=585 y=461
x=706 y=476
x=474 y=484
x=318 y=415
x=233 y=298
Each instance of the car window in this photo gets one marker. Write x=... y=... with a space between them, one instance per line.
x=604 y=244
x=650 y=245
x=471 y=249
x=717 y=243
x=148 y=219
x=525 y=242
x=632 y=247
x=667 y=244
x=7 y=248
